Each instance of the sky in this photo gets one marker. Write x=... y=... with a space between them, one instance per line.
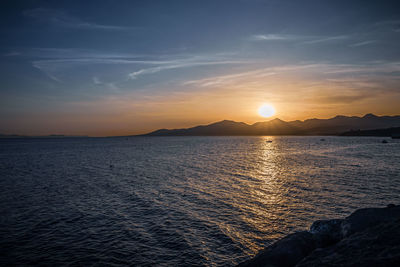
x=103 y=68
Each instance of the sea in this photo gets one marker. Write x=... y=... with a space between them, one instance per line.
x=180 y=201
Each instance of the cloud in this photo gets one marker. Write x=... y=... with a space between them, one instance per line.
x=326 y=39
x=179 y=64
x=391 y=25
x=346 y=99
x=64 y=62
x=110 y=85
x=364 y=43
x=96 y=80
x=225 y=79
x=63 y=19
x=12 y=54
x=252 y=75
x=271 y=37
x=46 y=72
x=321 y=82
x=301 y=39
x=76 y=53
x=388 y=22
x=369 y=68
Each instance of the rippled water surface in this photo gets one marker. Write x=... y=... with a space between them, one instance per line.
x=184 y=201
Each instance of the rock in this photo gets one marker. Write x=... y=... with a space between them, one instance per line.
x=368 y=237
x=374 y=246
x=364 y=218
x=326 y=232
x=285 y=252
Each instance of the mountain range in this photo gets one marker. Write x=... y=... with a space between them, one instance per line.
x=332 y=126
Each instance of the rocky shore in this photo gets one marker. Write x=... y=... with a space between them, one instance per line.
x=368 y=237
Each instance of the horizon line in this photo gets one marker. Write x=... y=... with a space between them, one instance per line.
x=62 y=135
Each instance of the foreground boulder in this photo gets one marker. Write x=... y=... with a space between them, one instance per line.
x=286 y=252
x=327 y=232
x=364 y=218
x=375 y=246
x=368 y=237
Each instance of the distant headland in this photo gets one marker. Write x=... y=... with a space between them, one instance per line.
x=339 y=125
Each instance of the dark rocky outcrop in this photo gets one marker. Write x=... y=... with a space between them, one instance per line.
x=364 y=218
x=285 y=252
x=326 y=232
x=376 y=246
x=368 y=237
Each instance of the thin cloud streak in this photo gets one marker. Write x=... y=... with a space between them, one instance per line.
x=364 y=43
x=52 y=66
x=319 y=82
x=302 y=39
x=327 y=39
x=252 y=75
x=47 y=73
x=136 y=74
x=63 y=19
x=12 y=54
x=74 y=53
x=272 y=37
x=223 y=79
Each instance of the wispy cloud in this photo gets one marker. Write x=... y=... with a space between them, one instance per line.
x=326 y=39
x=322 y=82
x=178 y=65
x=391 y=25
x=56 y=62
x=96 y=80
x=252 y=75
x=364 y=43
x=368 y=68
x=63 y=19
x=301 y=39
x=109 y=85
x=224 y=79
x=343 y=98
x=75 y=53
x=46 y=72
x=12 y=54
x=388 y=22
x=272 y=37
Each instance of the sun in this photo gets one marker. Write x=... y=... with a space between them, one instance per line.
x=266 y=110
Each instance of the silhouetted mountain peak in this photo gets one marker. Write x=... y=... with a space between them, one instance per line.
x=370 y=116
x=227 y=123
x=332 y=126
x=277 y=120
x=340 y=117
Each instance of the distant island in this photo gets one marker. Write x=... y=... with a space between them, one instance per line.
x=339 y=125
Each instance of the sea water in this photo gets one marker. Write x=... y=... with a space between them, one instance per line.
x=180 y=201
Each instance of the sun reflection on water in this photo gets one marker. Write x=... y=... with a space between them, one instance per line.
x=262 y=195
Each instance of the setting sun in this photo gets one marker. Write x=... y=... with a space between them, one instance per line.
x=266 y=111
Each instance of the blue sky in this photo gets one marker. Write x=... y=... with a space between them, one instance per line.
x=120 y=67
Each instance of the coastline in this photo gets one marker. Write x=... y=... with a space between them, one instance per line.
x=367 y=237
